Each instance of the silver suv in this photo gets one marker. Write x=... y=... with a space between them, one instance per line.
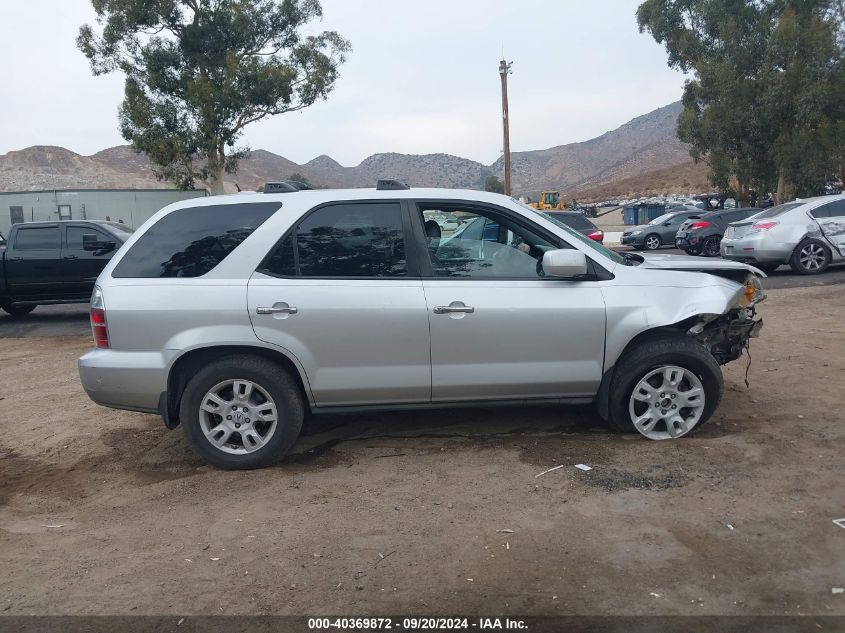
x=235 y=316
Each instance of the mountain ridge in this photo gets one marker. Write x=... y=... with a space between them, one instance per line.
x=644 y=144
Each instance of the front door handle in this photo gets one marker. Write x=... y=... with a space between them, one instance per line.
x=69 y=257
x=15 y=259
x=453 y=308
x=278 y=308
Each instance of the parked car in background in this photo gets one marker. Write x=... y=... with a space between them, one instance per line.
x=2 y=241
x=659 y=232
x=809 y=235
x=577 y=221
x=55 y=262
x=233 y=316
x=677 y=208
x=703 y=235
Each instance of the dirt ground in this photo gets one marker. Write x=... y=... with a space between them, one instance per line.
x=107 y=512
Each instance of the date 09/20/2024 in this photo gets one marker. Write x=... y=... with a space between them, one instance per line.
x=416 y=623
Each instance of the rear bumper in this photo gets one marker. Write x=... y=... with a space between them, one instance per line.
x=129 y=380
x=755 y=250
x=690 y=244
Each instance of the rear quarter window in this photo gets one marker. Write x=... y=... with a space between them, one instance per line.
x=830 y=210
x=190 y=242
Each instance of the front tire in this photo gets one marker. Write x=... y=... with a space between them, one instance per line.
x=17 y=311
x=651 y=242
x=810 y=257
x=664 y=387
x=242 y=412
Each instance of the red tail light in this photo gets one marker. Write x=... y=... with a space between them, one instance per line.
x=763 y=226
x=98 y=319
x=703 y=224
x=598 y=236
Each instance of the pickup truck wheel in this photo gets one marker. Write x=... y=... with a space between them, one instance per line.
x=651 y=242
x=242 y=412
x=664 y=388
x=17 y=311
x=810 y=257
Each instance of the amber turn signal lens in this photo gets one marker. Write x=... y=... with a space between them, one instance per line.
x=750 y=291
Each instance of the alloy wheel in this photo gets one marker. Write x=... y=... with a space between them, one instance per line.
x=812 y=257
x=666 y=403
x=652 y=242
x=710 y=247
x=238 y=416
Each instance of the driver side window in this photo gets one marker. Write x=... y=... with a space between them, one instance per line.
x=477 y=243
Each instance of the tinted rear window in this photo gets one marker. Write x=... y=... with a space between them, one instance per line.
x=191 y=242
x=354 y=239
x=773 y=212
x=740 y=214
x=37 y=239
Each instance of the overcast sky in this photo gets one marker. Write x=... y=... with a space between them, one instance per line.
x=422 y=78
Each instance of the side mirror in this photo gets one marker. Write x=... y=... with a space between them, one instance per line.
x=564 y=262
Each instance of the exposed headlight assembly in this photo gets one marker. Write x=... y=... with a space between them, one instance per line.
x=751 y=294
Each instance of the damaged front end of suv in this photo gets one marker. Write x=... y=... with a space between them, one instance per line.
x=727 y=335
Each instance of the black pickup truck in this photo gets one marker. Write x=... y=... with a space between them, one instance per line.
x=54 y=262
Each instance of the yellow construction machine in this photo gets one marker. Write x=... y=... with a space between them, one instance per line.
x=550 y=201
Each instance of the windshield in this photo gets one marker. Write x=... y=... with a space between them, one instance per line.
x=574 y=220
x=661 y=219
x=122 y=230
x=576 y=236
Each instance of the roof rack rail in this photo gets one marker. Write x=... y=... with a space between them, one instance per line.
x=390 y=185
x=285 y=186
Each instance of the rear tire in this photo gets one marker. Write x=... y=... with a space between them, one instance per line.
x=710 y=247
x=256 y=442
x=810 y=257
x=651 y=242
x=17 y=311
x=654 y=356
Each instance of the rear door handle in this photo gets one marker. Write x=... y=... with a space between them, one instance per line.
x=277 y=308
x=450 y=309
x=15 y=259
x=69 y=257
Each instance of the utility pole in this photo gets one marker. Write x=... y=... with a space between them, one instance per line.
x=504 y=71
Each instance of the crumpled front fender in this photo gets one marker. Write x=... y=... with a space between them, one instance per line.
x=632 y=310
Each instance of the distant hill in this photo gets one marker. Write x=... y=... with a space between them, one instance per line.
x=644 y=145
x=686 y=178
